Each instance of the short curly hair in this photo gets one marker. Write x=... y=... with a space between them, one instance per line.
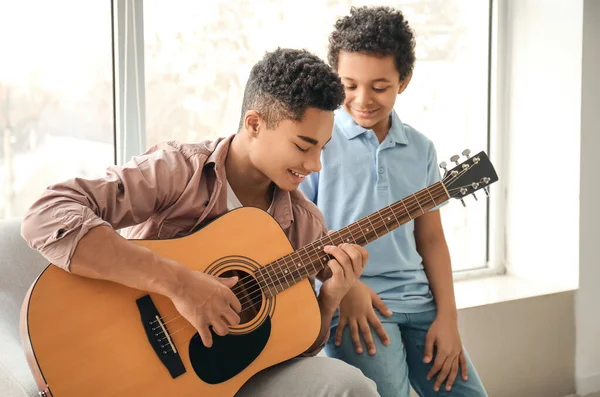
x=286 y=82
x=380 y=31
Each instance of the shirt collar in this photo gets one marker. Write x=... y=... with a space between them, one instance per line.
x=351 y=130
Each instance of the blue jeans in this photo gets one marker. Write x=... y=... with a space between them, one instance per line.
x=400 y=364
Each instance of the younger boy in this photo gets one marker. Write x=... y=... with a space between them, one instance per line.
x=175 y=188
x=372 y=161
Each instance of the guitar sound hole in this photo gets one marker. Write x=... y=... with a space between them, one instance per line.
x=248 y=293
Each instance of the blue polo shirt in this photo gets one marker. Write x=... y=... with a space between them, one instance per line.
x=360 y=176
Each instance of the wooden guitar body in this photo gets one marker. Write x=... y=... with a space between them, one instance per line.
x=86 y=337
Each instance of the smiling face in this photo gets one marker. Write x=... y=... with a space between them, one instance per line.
x=371 y=84
x=290 y=151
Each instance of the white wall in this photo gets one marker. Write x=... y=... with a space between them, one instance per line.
x=587 y=307
x=542 y=86
x=523 y=348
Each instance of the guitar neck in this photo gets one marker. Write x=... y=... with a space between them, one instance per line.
x=309 y=260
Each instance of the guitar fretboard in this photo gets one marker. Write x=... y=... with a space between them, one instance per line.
x=311 y=259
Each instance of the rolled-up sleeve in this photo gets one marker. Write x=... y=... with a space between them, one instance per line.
x=126 y=196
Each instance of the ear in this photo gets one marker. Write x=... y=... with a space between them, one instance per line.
x=404 y=83
x=252 y=122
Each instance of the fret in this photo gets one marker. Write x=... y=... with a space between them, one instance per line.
x=347 y=239
x=394 y=214
x=330 y=239
x=312 y=263
x=296 y=265
x=419 y=204
x=265 y=283
x=407 y=211
x=261 y=284
x=374 y=231
x=432 y=199
x=392 y=219
x=286 y=271
x=320 y=256
x=277 y=283
x=269 y=274
x=360 y=228
x=383 y=220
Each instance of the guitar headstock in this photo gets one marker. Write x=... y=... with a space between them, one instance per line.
x=473 y=174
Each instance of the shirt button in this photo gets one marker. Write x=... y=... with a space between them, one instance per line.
x=381 y=170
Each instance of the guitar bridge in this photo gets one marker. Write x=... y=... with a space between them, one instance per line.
x=159 y=336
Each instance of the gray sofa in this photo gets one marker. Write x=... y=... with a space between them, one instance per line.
x=19 y=266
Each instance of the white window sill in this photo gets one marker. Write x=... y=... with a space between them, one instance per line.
x=502 y=288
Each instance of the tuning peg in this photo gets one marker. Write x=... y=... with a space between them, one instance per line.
x=463 y=202
x=443 y=166
x=455 y=158
x=466 y=153
x=487 y=191
x=475 y=196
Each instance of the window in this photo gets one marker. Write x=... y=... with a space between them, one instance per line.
x=198 y=56
x=56 y=84
x=56 y=107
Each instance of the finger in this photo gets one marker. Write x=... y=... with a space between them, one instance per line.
x=445 y=371
x=341 y=257
x=205 y=335
x=379 y=330
x=337 y=271
x=355 y=336
x=428 y=354
x=231 y=317
x=463 y=366
x=340 y=330
x=452 y=376
x=231 y=298
x=234 y=302
x=229 y=282
x=356 y=258
x=379 y=305
x=219 y=326
x=368 y=338
x=364 y=253
x=330 y=232
x=437 y=366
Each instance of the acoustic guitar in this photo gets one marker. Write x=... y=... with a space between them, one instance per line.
x=86 y=337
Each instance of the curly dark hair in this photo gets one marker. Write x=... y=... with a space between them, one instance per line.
x=381 y=31
x=286 y=82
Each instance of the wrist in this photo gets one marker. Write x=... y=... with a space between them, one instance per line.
x=447 y=314
x=168 y=276
x=327 y=305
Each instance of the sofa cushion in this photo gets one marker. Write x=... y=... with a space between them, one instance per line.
x=19 y=267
